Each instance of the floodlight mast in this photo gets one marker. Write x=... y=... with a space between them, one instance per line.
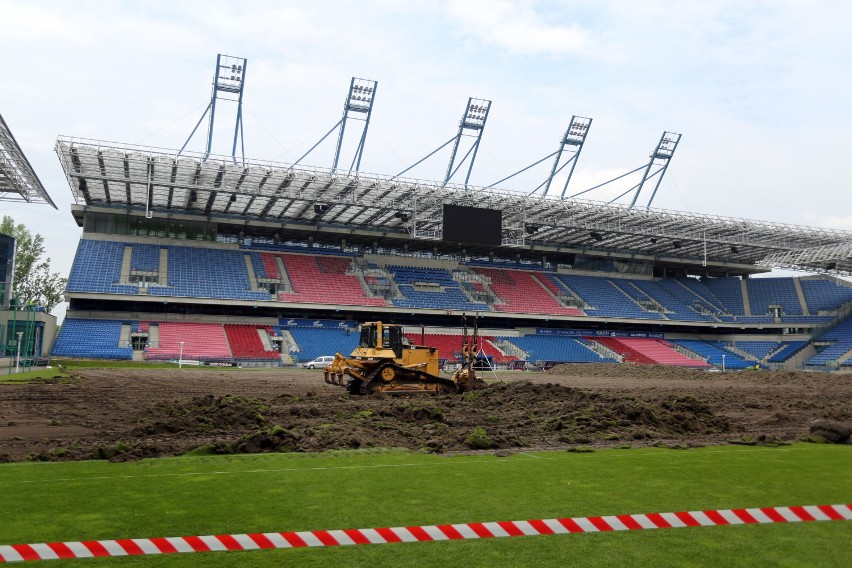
x=661 y=156
x=474 y=118
x=228 y=79
x=575 y=137
x=359 y=100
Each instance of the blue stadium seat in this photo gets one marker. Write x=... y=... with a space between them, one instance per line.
x=557 y=349
x=316 y=342
x=714 y=353
x=765 y=292
x=96 y=339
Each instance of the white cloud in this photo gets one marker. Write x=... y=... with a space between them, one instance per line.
x=517 y=28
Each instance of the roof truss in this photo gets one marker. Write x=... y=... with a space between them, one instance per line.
x=101 y=173
x=18 y=180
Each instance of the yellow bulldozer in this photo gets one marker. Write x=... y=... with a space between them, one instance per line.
x=386 y=362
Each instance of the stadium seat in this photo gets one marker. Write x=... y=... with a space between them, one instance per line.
x=96 y=339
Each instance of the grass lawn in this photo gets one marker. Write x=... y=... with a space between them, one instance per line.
x=123 y=364
x=29 y=376
x=201 y=495
x=63 y=368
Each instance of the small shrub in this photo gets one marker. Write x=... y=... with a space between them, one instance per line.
x=470 y=396
x=478 y=439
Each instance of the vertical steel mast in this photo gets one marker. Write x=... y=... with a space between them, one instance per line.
x=473 y=121
x=661 y=156
x=574 y=138
x=359 y=100
x=228 y=84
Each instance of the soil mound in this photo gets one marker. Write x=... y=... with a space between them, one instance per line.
x=122 y=414
x=204 y=414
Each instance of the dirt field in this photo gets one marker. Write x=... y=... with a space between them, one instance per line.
x=122 y=414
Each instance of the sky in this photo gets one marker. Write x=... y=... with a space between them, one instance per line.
x=760 y=91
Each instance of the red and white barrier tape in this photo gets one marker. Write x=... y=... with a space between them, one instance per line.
x=169 y=545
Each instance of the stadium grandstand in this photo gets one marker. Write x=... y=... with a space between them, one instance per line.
x=228 y=260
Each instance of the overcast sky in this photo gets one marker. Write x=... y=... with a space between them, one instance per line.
x=760 y=91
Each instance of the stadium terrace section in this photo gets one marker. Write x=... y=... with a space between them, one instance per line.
x=270 y=345
x=137 y=275
x=138 y=272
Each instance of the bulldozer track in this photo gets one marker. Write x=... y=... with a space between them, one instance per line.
x=391 y=378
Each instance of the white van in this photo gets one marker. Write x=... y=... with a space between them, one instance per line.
x=319 y=362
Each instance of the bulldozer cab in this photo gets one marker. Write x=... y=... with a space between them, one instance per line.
x=378 y=335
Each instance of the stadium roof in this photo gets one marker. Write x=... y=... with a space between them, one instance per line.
x=18 y=180
x=121 y=175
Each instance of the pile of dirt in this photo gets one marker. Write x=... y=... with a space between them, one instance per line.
x=204 y=414
x=625 y=370
x=122 y=414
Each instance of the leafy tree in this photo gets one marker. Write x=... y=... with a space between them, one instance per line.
x=33 y=280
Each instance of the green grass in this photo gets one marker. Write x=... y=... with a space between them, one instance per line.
x=284 y=492
x=30 y=376
x=124 y=364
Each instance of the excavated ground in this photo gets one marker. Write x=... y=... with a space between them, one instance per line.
x=122 y=414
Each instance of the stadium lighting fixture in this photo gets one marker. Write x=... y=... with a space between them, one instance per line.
x=661 y=156
x=228 y=83
x=359 y=101
x=572 y=140
x=472 y=124
x=574 y=137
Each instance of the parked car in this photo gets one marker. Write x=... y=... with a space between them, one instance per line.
x=319 y=362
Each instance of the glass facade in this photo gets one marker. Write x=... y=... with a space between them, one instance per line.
x=112 y=224
x=7 y=268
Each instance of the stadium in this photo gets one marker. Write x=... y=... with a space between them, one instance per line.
x=175 y=402
x=228 y=260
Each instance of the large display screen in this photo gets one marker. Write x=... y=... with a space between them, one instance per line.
x=473 y=225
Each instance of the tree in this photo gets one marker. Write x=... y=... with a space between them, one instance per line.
x=33 y=280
